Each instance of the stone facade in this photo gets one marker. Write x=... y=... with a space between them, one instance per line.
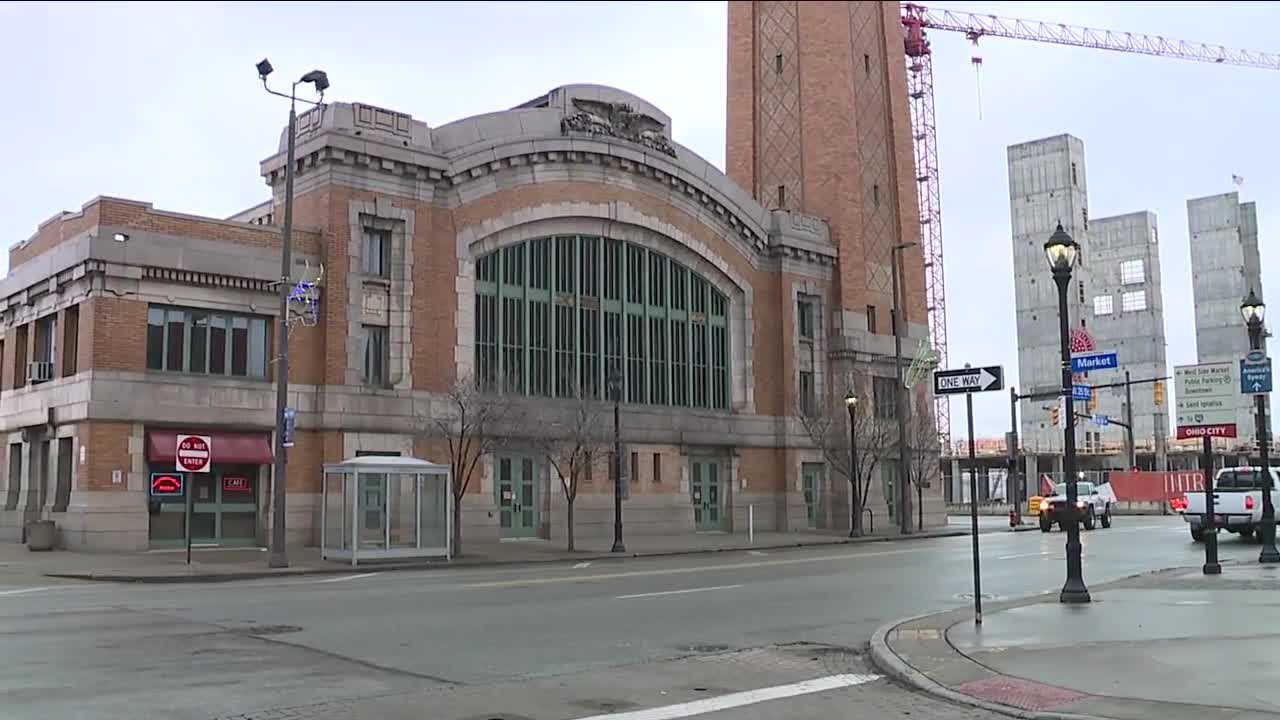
x=125 y=286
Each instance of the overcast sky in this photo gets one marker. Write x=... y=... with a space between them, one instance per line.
x=160 y=102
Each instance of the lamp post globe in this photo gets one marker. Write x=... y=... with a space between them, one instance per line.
x=1253 y=309
x=1061 y=251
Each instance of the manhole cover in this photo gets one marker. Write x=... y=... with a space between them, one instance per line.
x=705 y=648
x=271 y=629
x=985 y=596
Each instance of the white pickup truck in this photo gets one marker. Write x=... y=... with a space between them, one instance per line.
x=1237 y=501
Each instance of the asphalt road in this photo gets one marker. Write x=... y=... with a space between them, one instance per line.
x=216 y=650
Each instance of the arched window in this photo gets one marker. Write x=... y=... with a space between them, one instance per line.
x=555 y=314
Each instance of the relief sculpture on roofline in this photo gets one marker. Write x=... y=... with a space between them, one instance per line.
x=619 y=120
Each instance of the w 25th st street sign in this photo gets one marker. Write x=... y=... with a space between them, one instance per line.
x=968 y=380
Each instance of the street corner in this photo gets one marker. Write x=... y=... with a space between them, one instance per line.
x=917 y=653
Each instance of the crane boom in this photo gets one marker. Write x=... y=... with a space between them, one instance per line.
x=976 y=26
x=916 y=19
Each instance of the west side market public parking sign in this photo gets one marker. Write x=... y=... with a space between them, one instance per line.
x=194 y=453
x=1207 y=399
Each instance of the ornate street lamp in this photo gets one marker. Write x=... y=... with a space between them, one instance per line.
x=1062 y=252
x=855 y=525
x=1254 y=312
x=615 y=392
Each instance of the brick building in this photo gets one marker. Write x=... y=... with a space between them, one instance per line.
x=538 y=245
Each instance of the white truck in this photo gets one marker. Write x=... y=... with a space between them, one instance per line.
x=1093 y=505
x=1237 y=501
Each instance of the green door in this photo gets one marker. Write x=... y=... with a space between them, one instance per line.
x=708 y=513
x=811 y=474
x=224 y=506
x=517 y=497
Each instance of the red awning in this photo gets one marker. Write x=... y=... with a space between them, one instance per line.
x=238 y=448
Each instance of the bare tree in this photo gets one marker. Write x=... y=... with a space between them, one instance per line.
x=827 y=425
x=924 y=450
x=571 y=435
x=478 y=421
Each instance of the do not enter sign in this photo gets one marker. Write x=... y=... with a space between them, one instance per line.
x=194 y=454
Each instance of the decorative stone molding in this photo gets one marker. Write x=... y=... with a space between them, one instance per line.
x=379 y=301
x=619 y=120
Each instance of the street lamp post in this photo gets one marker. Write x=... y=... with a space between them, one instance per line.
x=1254 y=312
x=899 y=393
x=855 y=524
x=279 y=557
x=615 y=392
x=1062 y=252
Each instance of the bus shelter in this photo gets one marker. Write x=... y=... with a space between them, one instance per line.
x=381 y=507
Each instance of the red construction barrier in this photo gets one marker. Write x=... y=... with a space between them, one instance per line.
x=1155 y=486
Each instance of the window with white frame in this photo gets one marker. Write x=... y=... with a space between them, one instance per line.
x=1133 y=301
x=1103 y=305
x=1131 y=272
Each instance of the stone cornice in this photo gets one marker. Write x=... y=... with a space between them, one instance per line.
x=801 y=237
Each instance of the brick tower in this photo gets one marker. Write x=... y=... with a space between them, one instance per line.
x=819 y=122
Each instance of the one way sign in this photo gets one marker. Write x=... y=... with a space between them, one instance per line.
x=968 y=380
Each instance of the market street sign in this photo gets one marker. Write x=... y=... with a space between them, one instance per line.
x=968 y=380
x=1096 y=361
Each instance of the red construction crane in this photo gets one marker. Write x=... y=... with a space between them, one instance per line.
x=916 y=19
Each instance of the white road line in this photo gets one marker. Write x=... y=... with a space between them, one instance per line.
x=345 y=578
x=756 y=552
x=677 y=592
x=739 y=699
x=23 y=591
x=1194 y=602
x=581 y=565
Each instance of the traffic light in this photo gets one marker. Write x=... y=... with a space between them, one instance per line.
x=1054 y=415
x=1093 y=402
x=1159 y=392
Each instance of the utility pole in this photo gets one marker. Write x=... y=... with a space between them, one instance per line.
x=279 y=557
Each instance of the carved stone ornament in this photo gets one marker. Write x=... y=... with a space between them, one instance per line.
x=618 y=120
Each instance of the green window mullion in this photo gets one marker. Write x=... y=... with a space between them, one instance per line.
x=707 y=341
x=666 y=330
x=624 y=337
x=602 y=372
x=646 y=352
x=576 y=286
x=526 y=256
x=501 y=262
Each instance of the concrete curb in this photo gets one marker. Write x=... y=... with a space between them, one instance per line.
x=464 y=564
x=892 y=665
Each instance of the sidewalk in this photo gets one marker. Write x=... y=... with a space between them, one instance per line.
x=222 y=564
x=1173 y=644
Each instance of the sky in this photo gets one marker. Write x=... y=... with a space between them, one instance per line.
x=160 y=103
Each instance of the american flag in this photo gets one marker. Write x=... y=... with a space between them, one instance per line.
x=1237 y=179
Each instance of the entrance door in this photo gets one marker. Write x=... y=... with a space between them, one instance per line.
x=811 y=475
x=705 y=485
x=517 y=497
x=224 y=506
